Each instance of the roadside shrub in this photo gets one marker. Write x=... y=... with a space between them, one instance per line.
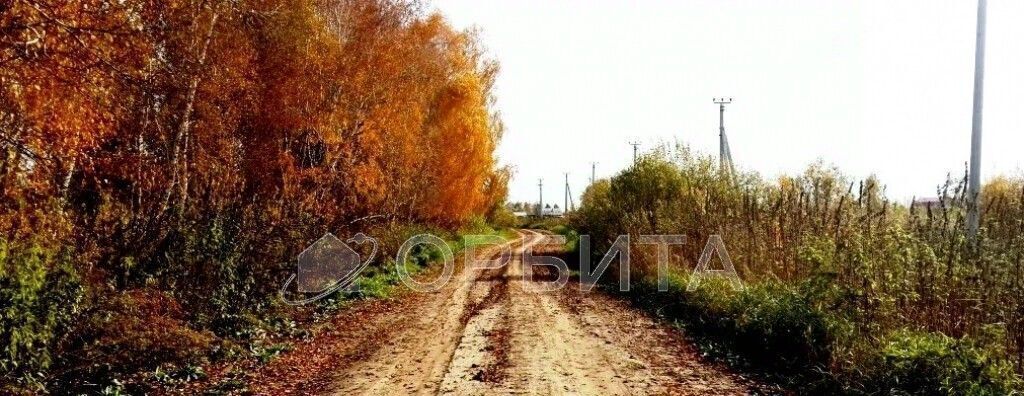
x=776 y=325
x=138 y=330
x=927 y=363
x=769 y=325
x=476 y=225
x=502 y=217
x=39 y=295
x=205 y=265
x=391 y=236
x=833 y=267
x=777 y=329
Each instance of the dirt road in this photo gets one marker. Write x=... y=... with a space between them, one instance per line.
x=490 y=332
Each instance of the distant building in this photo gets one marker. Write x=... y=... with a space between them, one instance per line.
x=550 y=211
x=934 y=203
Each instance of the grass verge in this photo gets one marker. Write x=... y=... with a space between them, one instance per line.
x=789 y=335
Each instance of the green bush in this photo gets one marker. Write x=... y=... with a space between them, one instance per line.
x=777 y=325
x=779 y=330
x=923 y=363
x=502 y=217
x=40 y=294
x=768 y=325
x=205 y=266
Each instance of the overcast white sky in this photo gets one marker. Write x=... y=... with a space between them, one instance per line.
x=879 y=87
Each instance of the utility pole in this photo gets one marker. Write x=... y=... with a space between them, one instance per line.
x=565 y=205
x=974 y=184
x=540 y=203
x=724 y=155
x=572 y=203
x=635 y=145
x=593 y=172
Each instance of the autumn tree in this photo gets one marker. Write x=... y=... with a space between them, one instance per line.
x=188 y=147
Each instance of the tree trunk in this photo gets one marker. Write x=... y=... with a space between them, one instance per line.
x=185 y=124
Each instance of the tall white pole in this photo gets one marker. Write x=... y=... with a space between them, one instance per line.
x=721 y=135
x=565 y=203
x=724 y=156
x=974 y=184
x=540 y=202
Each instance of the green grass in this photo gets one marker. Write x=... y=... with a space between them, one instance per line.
x=380 y=281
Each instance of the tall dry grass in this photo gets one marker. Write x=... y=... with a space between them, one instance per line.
x=879 y=264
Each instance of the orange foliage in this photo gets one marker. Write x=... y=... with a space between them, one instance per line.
x=337 y=109
x=186 y=147
x=191 y=146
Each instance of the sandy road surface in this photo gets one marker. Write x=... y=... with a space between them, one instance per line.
x=490 y=332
